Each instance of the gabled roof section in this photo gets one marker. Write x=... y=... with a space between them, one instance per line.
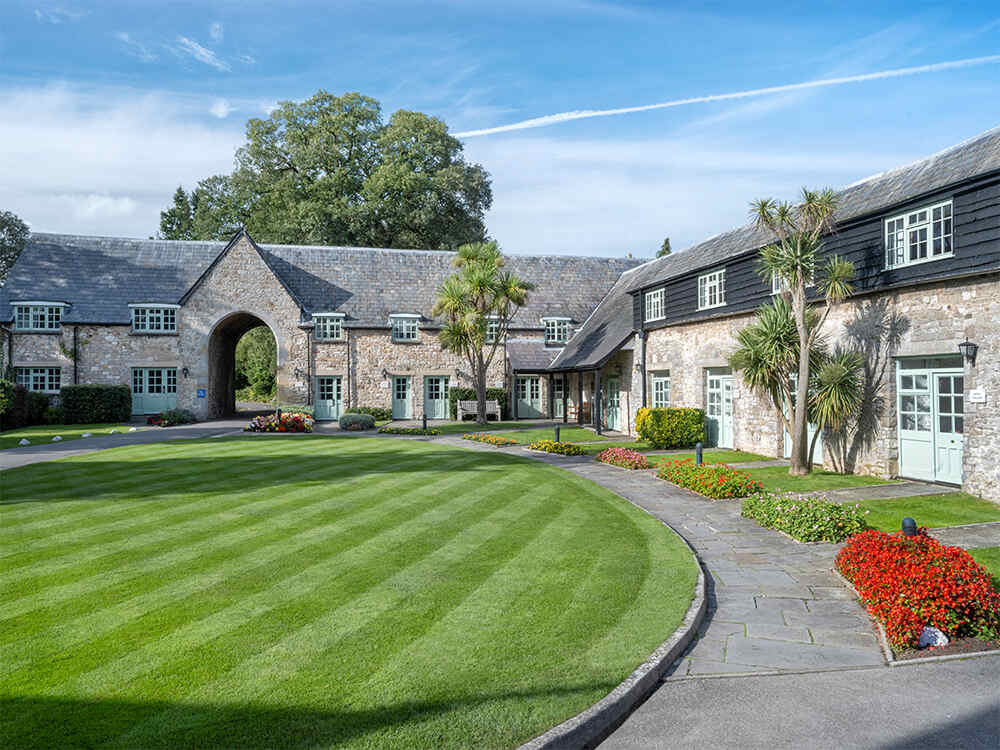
x=529 y=355
x=977 y=156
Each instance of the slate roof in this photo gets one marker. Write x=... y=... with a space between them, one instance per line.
x=976 y=156
x=530 y=355
x=101 y=276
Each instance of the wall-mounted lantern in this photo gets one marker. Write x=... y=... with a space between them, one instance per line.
x=184 y=371
x=969 y=351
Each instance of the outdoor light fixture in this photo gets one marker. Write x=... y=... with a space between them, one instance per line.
x=909 y=527
x=969 y=350
x=184 y=371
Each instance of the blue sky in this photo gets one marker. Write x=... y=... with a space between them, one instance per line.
x=105 y=108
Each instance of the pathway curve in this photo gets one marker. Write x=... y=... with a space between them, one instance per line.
x=970 y=536
x=774 y=604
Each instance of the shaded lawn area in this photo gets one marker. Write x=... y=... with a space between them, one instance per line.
x=469 y=425
x=567 y=434
x=989 y=558
x=777 y=479
x=721 y=456
x=933 y=511
x=256 y=592
x=42 y=434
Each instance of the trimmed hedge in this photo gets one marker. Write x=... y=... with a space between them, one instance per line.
x=86 y=404
x=671 y=428
x=381 y=413
x=357 y=422
x=25 y=409
x=457 y=393
x=805 y=518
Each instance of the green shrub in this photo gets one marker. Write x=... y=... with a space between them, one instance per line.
x=6 y=395
x=85 y=404
x=381 y=413
x=717 y=481
x=665 y=429
x=805 y=518
x=357 y=422
x=54 y=415
x=456 y=394
x=176 y=416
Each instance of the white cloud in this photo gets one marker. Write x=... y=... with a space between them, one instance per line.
x=215 y=31
x=220 y=108
x=105 y=161
x=134 y=47
x=247 y=59
x=201 y=54
x=58 y=14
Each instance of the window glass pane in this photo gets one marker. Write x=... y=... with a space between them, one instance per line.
x=920 y=382
x=960 y=384
x=906 y=382
x=923 y=423
x=908 y=422
x=945 y=424
x=959 y=425
x=923 y=403
x=944 y=404
x=958 y=404
x=906 y=403
x=944 y=385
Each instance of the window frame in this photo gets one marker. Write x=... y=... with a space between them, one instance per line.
x=327 y=320
x=657 y=297
x=558 y=325
x=25 y=376
x=406 y=323
x=661 y=377
x=780 y=286
x=28 y=310
x=164 y=314
x=492 y=324
x=897 y=229
x=713 y=280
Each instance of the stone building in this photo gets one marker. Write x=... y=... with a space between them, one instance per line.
x=599 y=339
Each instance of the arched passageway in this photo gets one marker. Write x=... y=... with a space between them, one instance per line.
x=222 y=361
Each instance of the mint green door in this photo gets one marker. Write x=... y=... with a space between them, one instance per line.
x=436 y=397
x=557 y=397
x=401 y=401
x=154 y=389
x=528 y=392
x=613 y=409
x=719 y=409
x=328 y=397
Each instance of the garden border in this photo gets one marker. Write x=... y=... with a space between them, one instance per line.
x=594 y=724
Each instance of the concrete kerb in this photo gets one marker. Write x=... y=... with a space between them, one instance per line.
x=591 y=726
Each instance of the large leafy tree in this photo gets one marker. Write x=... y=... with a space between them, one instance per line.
x=256 y=362
x=329 y=170
x=13 y=235
x=479 y=293
x=793 y=260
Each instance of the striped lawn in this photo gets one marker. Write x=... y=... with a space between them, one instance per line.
x=319 y=592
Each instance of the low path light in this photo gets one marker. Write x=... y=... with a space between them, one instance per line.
x=909 y=527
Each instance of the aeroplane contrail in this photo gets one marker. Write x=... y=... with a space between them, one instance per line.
x=547 y=120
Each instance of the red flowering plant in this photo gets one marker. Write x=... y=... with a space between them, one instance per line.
x=909 y=582
x=711 y=480
x=624 y=457
x=287 y=422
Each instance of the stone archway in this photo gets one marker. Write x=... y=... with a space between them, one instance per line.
x=222 y=359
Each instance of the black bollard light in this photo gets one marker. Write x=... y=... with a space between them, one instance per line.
x=909 y=527
x=557 y=433
x=425 y=420
x=697 y=454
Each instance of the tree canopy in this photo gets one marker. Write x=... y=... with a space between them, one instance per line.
x=13 y=235
x=664 y=248
x=330 y=171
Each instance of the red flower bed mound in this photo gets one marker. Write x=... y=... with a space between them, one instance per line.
x=909 y=582
x=711 y=480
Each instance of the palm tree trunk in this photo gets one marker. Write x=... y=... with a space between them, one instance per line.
x=799 y=465
x=480 y=386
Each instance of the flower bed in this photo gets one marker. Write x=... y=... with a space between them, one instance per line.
x=287 y=422
x=485 y=437
x=909 y=582
x=551 y=446
x=389 y=430
x=624 y=457
x=805 y=518
x=711 y=480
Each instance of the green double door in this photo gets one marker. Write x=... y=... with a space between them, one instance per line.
x=436 y=397
x=931 y=418
x=528 y=392
x=154 y=389
x=329 y=397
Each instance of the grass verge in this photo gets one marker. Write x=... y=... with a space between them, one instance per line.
x=713 y=457
x=989 y=558
x=43 y=434
x=932 y=511
x=777 y=479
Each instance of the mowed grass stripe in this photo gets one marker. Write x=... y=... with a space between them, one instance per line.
x=458 y=563
x=181 y=524
x=132 y=600
x=337 y=572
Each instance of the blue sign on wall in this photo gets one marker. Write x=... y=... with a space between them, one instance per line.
x=201 y=393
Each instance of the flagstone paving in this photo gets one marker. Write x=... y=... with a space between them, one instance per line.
x=971 y=536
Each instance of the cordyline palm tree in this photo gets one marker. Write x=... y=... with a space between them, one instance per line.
x=794 y=260
x=835 y=393
x=480 y=292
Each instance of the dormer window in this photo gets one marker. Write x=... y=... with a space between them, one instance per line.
x=405 y=327
x=556 y=331
x=329 y=326
x=154 y=318
x=38 y=316
x=712 y=289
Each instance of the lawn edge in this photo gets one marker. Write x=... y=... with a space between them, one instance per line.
x=594 y=724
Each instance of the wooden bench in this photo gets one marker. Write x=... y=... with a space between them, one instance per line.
x=472 y=407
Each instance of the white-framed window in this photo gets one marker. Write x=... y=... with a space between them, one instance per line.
x=919 y=236
x=41 y=379
x=404 y=327
x=780 y=285
x=38 y=316
x=712 y=289
x=154 y=318
x=492 y=329
x=556 y=330
x=654 y=304
x=661 y=389
x=329 y=326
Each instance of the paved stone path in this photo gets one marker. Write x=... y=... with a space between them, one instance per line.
x=774 y=604
x=972 y=536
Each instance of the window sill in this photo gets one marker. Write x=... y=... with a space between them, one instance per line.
x=153 y=333
x=919 y=262
x=39 y=332
x=341 y=340
x=713 y=307
x=406 y=341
